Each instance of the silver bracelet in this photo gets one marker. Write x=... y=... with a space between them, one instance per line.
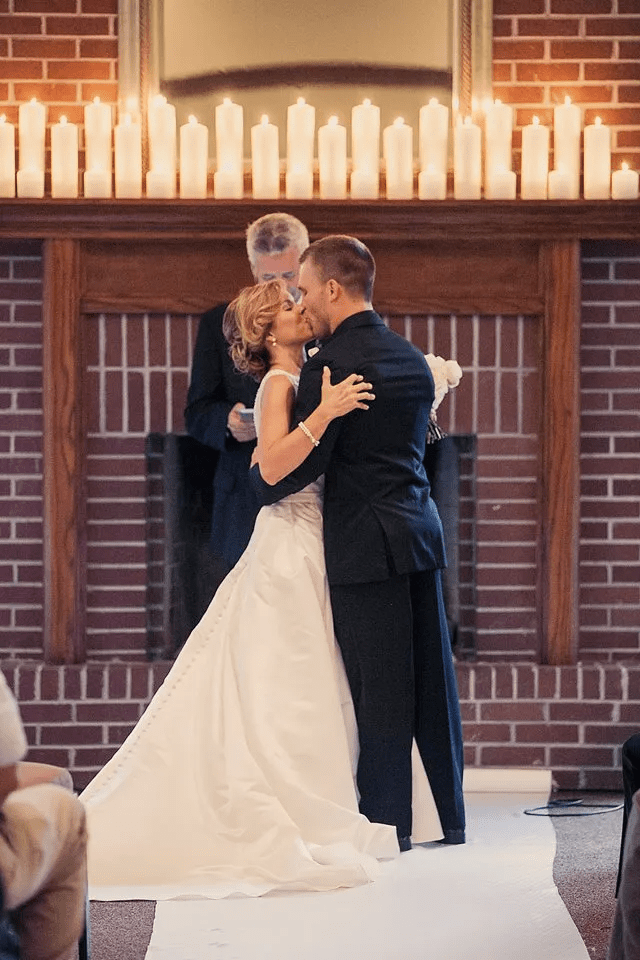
x=307 y=433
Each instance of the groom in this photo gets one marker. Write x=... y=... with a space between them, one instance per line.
x=383 y=542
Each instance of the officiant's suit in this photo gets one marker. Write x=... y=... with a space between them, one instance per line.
x=384 y=551
x=215 y=387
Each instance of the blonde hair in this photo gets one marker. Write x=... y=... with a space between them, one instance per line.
x=246 y=325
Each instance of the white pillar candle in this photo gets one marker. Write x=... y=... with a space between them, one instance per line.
x=64 y=159
x=365 y=151
x=498 y=136
x=397 y=144
x=597 y=161
x=97 y=135
x=97 y=183
x=560 y=185
x=128 y=158
x=194 y=159
x=30 y=183
x=434 y=136
x=265 y=160
x=301 y=122
x=228 y=180
x=31 y=126
x=624 y=183
x=467 y=161
x=535 y=161
x=500 y=184
x=432 y=184
x=332 y=160
x=161 y=118
x=566 y=142
x=7 y=158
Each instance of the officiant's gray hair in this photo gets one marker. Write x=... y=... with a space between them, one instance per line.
x=273 y=234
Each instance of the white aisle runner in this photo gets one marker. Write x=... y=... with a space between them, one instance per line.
x=492 y=899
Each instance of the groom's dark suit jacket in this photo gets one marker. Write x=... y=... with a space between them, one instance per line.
x=379 y=518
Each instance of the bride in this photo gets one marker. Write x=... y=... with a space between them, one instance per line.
x=239 y=777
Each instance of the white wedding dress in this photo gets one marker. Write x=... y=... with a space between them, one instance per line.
x=238 y=779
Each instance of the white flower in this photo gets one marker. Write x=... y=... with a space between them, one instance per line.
x=446 y=375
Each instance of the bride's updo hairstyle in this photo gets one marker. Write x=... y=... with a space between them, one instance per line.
x=246 y=325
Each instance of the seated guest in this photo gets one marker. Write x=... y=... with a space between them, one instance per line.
x=630 y=784
x=42 y=846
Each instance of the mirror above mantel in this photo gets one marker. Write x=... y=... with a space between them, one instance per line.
x=335 y=58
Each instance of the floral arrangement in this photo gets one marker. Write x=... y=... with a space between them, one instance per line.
x=446 y=375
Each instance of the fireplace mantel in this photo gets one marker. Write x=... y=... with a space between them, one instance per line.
x=487 y=257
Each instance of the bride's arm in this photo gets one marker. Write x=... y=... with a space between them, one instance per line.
x=280 y=449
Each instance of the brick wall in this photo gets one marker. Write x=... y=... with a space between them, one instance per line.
x=572 y=720
x=544 y=50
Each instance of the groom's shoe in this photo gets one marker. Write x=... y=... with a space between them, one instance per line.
x=404 y=843
x=453 y=836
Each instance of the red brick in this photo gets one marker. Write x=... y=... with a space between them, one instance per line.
x=519 y=94
x=630 y=713
x=55 y=756
x=75 y=735
x=118 y=733
x=108 y=92
x=78 y=70
x=99 y=49
x=579 y=50
x=622 y=116
x=515 y=712
x=544 y=733
x=512 y=756
x=613 y=26
x=580 y=756
x=47 y=92
x=108 y=712
x=502 y=8
x=548 y=680
x=44 y=6
x=609 y=780
x=628 y=94
x=547 y=27
x=581 y=7
x=21 y=70
x=77 y=26
x=37 y=713
x=50 y=683
x=94 y=757
x=625 y=617
x=486 y=733
x=44 y=47
x=13 y=24
x=525 y=681
x=580 y=94
x=519 y=49
x=100 y=6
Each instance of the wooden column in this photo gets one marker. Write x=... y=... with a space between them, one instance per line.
x=558 y=582
x=64 y=470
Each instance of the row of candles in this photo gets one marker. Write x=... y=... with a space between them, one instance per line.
x=124 y=144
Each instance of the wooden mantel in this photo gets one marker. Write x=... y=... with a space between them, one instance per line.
x=515 y=257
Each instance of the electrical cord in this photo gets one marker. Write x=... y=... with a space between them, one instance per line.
x=569 y=806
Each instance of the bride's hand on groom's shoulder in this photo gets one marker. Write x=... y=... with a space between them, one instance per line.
x=349 y=394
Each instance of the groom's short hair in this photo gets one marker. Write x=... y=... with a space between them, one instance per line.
x=345 y=259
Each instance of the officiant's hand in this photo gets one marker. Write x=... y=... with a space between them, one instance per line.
x=241 y=430
x=350 y=394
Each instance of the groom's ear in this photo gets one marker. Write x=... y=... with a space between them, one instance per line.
x=334 y=289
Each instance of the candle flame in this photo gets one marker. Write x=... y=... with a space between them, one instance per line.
x=497 y=102
x=3 y=118
x=159 y=99
x=624 y=166
x=333 y=121
x=264 y=119
x=567 y=101
x=467 y=121
x=192 y=120
x=126 y=119
x=366 y=102
x=63 y=119
x=398 y=122
x=536 y=121
x=433 y=101
x=96 y=99
x=598 y=122
x=33 y=100
x=300 y=101
x=227 y=101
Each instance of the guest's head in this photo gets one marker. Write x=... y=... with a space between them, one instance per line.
x=274 y=245
x=336 y=280
x=264 y=325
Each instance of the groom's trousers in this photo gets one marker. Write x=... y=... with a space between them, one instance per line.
x=395 y=645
